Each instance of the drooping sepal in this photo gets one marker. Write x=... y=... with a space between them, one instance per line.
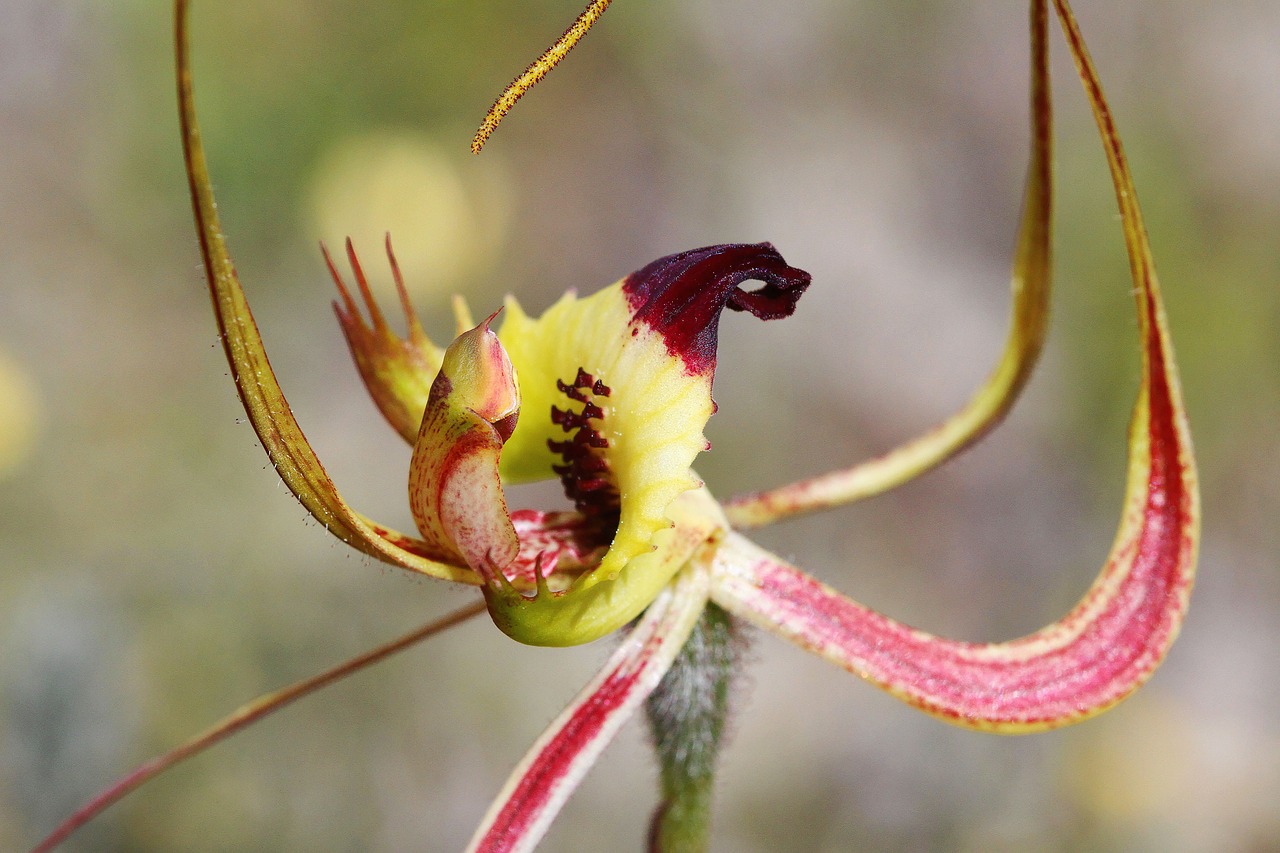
x=242 y=718
x=1114 y=639
x=562 y=755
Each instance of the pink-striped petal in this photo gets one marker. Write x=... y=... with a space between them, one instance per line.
x=561 y=757
x=1119 y=632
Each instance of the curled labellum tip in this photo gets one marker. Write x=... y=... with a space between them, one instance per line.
x=681 y=296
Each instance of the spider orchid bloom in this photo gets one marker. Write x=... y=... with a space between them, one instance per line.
x=488 y=410
x=610 y=394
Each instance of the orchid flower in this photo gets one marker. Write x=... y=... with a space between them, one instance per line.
x=610 y=393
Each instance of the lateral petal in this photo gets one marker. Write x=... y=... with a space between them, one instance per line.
x=995 y=397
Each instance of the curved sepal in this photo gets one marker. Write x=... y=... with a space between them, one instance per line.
x=561 y=757
x=256 y=384
x=993 y=399
x=1119 y=632
x=455 y=492
x=397 y=371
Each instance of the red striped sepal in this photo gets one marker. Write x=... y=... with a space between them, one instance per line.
x=561 y=757
x=1117 y=635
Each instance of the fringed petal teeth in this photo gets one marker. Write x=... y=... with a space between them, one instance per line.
x=397 y=371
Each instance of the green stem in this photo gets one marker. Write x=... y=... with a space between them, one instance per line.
x=687 y=719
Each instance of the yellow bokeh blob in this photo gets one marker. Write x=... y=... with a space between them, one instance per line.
x=1135 y=767
x=446 y=212
x=20 y=413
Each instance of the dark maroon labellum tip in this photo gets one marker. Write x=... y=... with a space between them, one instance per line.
x=681 y=296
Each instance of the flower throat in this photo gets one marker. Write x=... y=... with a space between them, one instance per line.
x=587 y=480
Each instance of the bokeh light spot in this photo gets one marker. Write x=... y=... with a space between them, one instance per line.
x=447 y=221
x=20 y=414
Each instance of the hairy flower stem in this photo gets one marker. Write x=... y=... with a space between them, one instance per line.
x=687 y=715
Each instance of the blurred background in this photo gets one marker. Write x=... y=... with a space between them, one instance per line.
x=153 y=576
